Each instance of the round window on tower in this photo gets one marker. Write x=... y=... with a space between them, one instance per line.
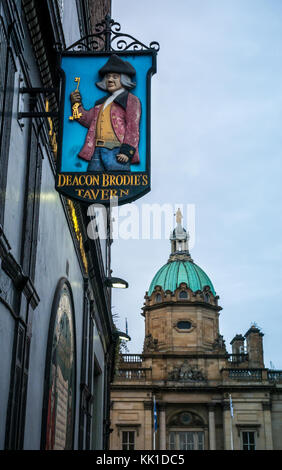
x=184 y=325
x=183 y=294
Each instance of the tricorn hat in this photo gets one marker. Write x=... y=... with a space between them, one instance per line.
x=117 y=65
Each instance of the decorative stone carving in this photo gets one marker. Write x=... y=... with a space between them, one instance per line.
x=186 y=418
x=186 y=373
x=150 y=344
x=219 y=344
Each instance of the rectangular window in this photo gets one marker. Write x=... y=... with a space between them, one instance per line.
x=248 y=440
x=128 y=440
x=186 y=440
x=31 y=209
x=61 y=8
x=200 y=436
x=7 y=78
x=172 y=441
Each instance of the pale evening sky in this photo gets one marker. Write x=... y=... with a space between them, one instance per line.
x=217 y=144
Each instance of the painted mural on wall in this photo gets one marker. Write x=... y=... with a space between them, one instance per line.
x=104 y=150
x=60 y=377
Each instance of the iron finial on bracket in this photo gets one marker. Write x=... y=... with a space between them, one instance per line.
x=108 y=24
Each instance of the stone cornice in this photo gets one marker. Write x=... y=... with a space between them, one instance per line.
x=185 y=355
x=253 y=426
x=128 y=425
x=181 y=303
x=192 y=389
x=253 y=330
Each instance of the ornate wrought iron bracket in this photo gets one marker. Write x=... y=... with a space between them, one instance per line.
x=37 y=115
x=108 y=38
x=35 y=91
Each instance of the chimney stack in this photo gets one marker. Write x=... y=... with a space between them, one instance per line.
x=255 y=347
x=238 y=344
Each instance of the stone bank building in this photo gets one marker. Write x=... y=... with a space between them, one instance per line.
x=206 y=399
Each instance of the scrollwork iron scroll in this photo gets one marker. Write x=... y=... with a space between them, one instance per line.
x=109 y=38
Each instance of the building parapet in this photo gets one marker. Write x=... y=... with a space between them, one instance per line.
x=274 y=375
x=237 y=358
x=141 y=374
x=129 y=358
x=245 y=374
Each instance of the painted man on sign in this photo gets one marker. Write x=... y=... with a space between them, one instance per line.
x=113 y=123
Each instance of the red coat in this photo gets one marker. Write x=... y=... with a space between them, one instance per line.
x=125 y=120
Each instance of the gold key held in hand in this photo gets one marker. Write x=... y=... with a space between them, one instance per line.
x=75 y=113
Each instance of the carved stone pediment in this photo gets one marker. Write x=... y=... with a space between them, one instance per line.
x=187 y=373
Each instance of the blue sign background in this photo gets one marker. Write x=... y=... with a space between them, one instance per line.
x=87 y=67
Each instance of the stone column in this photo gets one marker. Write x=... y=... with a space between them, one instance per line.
x=267 y=426
x=162 y=427
x=212 y=440
x=148 y=426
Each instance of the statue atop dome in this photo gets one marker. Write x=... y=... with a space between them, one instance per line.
x=179 y=216
x=179 y=239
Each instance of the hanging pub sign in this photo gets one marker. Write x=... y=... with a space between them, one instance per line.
x=105 y=119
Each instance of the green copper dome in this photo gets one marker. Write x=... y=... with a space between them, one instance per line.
x=170 y=276
x=180 y=266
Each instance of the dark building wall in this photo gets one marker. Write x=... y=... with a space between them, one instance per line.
x=98 y=10
x=39 y=242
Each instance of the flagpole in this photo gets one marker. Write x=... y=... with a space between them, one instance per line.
x=155 y=423
x=231 y=434
x=231 y=424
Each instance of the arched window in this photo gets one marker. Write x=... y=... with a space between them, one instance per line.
x=60 y=374
x=183 y=294
x=186 y=432
x=206 y=297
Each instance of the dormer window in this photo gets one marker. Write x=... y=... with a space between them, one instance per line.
x=183 y=294
x=158 y=298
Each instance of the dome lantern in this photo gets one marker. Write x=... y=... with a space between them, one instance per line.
x=179 y=240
